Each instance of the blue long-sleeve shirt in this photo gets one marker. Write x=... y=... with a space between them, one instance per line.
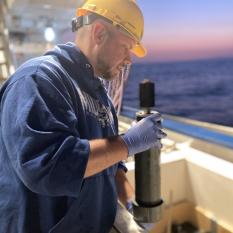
x=49 y=110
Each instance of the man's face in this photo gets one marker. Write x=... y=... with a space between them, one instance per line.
x=114 y=54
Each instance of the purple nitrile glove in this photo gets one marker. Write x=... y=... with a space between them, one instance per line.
x=145 y=134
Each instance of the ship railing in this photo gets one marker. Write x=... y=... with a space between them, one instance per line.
x=211 y=138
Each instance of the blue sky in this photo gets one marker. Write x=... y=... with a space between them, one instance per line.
x=187 y=29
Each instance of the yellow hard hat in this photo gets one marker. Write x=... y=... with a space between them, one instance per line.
x=122 y=13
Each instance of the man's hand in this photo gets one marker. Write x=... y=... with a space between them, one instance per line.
x=144 y=135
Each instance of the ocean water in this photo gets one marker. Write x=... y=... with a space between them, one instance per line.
x=201 y=90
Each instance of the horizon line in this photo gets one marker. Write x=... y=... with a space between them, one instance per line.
x=139 y=61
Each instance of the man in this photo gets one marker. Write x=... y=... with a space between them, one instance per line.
x=60 y=152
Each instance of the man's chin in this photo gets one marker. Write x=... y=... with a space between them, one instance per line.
x=111 y=76
x=115 y=75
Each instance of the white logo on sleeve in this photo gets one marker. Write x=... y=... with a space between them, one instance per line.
x=96 y=109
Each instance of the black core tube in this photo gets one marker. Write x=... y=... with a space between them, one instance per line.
x=147 y=166
x=147 y=94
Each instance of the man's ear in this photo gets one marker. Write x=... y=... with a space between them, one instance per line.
x=99 y=33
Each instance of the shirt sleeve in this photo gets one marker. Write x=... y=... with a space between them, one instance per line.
x=39 y=130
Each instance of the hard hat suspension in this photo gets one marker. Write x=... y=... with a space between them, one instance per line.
x=83 y=20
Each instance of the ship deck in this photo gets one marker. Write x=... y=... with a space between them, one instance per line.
x=196 y=174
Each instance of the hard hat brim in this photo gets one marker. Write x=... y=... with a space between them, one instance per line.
x=139 y=50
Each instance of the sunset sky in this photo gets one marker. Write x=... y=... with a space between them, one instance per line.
x=187 y=29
